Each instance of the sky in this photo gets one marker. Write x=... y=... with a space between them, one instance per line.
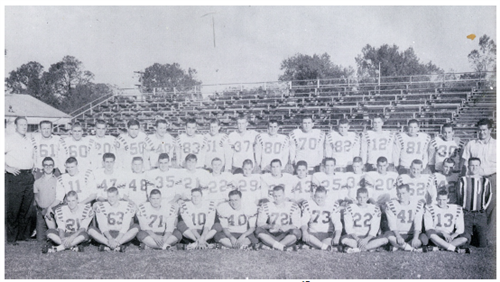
x=250 y=42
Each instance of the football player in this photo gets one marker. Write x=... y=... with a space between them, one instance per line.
x=376 y=143
x=410 y=146
x=444 y=146
x=190 y=177
x=108 y=177
x=362 y=224
x=445 y=225
x=198 y=218
x=101 y=143
x=218 y=183
x=343 y=146
x=277 y=177
x=237 y=219
x=321 y=225
x=165 y=178
x=333 y=182
x=447 y=179
x=46 y=144
x=72 y=222
x=162 y=141
x=306 y=144
x=157 y=221
x=137 y=182
x=242 y=144
x=383 y=183
x=190 y=143
x=250 y=184
x=114 y=219
x=355 y=179
x=134 y=143
x=270 y=146
x=422 y=186
x=405 y=221
x=77 y=146
x=278 y=222
x=216 y=144
x=303 y=188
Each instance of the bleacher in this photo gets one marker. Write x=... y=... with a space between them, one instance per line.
x=431 y=102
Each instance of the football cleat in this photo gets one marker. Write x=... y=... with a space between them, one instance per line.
x=432 y=248
x=191 y=246
x=292 y=248
x=244 y=247
x=265 y=247
x=167 y=248
x=45 y=248
x=80 y=248
x=348 y=250
x=104 y=248
x=304 y=247
x=122 y=248
x=418 y=250
x=332 y=249
x=463 y=251
x=393 y=249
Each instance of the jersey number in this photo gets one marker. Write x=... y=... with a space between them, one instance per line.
x=242 y=220
x=357 y=218
x=115 y=218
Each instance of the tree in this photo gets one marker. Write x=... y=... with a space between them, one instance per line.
x=392 y=62
x=83 y=94
x=168 y=77
x=303 y=67
x=26 y=79
x=485 y=58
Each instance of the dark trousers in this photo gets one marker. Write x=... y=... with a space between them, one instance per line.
x=477 y=221
x=41 y=226
x=18 y=201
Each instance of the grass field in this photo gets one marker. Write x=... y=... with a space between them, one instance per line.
x=27 y=262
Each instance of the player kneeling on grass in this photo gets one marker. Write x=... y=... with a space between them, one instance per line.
x=72 y=222
x=237 y=220
x=198 y=218
x=319 y=220
x=115 y=222
x=445 y=225
x=405 y=221
x=362 y=223
x=157 y=222
x=278 y=221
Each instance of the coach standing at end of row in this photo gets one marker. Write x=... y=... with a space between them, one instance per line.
x=19 y=153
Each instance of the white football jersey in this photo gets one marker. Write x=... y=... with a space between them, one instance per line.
x=100 y=146
x=47 y=147
x=137 y=186
x=384 y=186
x=342 y=147
x=362 y=221
x=250 y=188
x=194 y=144
x=286 y=180
x=165 y=144
x=104 y=181
x=285 y=214
x=302 y=190
x=168 y=182
x=318 y=218
x=377 y=144
x=242 y=146
x=237 y=221
x=444 y=219
x=80 y=149
x=421 y=188
x=439 y=150
x=83 y=183
x=405 y=218
x=191 y=180
x=407 y=149
x=272 y=147
x=158 y=220
x=197 y=217
x=116 y=218
x=128 y=148
x=335 y=185
x=217 y=187
x=307 y=146
x=215 y=148
x=72 y=221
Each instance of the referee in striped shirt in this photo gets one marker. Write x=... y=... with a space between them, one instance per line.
x=475 y=195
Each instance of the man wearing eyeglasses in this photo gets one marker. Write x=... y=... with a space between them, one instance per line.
x=45 y=194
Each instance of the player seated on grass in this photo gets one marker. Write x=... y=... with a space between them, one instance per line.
x=115 y=222
x=237 y=220
x=319 y=221
x=198 y=218
x=72 y=222
x=362 y=223
x=445 y=225
x=278 y=221
x=405 y=221
x=157 y=222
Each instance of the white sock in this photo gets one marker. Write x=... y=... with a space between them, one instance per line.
x=278 y=245
x=324 y=247
x=407 y=247
x=451 y=248
x=60 y=248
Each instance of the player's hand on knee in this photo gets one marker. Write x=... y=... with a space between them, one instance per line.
x=400 y=240
x=415 y=243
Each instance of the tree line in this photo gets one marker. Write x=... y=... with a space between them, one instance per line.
x=66 y=85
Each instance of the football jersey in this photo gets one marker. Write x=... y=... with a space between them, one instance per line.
x=307 y=146
x=104 y=181
x=407 y=149
x=335 y=185
x=302 y=190
x=197 y=217
x=116 y=218
x=272 y=147
x=405 y=218
x=166 y=144
x=215 y=148
x=190 y=180
x=353 y=183
x=324 y=218
x=168 y=182
x=100 y=146
x=342 y=147
x=362 y=221
x=157 y=220
x=83 y=183
x=384 y=186
x=449 y=182
x=377 y=144
x=80 y=149
x=191 y=145
x=421 y=188
x=217 y=187
x=250 y=188
x=285 y=214
x=128 y=148
x=73 y=221
x=286 y=180
x=137 y=186
x=237 y=221
x=47 y=147
x=242 y=146
x=439 y=150
x=444 y=220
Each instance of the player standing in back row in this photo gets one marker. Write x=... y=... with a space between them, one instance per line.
x=133 y=144
x=242 y=143
x=306 y=144
x=343 y=146
x=410 y=146
x=270 y=146
x=377 y=143
x=190 y=143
